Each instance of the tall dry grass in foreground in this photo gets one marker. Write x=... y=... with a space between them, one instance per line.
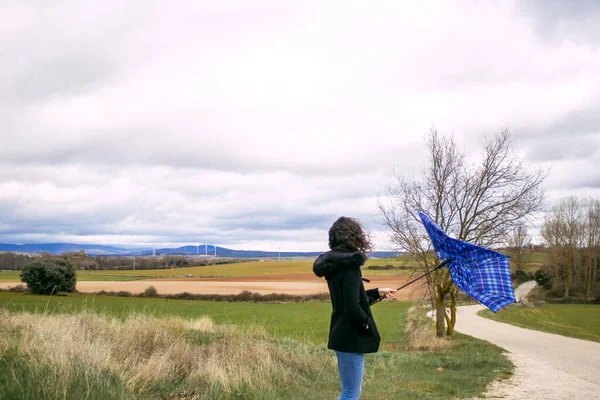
x=86 y=355
x=420 y=331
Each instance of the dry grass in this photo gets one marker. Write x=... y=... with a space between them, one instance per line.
x=144 y=352
x=420 y=332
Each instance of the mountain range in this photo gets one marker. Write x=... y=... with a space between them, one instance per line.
x=98 y=249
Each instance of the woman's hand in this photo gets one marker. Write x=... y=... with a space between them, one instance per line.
x=386 y=292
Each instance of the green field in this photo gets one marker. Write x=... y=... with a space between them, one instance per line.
x=251 y=268
x=575 y=320
x=462 y=371
x=13 y=276
x=305 y=321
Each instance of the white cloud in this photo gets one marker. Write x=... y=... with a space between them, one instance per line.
x=259 y=123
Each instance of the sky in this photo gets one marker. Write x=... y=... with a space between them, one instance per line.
x=256 y=124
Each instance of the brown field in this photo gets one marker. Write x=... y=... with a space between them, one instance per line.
x=295 y=284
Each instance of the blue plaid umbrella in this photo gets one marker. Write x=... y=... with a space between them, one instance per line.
x=481 y=273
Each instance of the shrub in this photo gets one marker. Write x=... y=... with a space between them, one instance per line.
x=49 y=276
x=245 y=296
x=150 y=292
x=420 y=332
x=531 y=276
x=18 y=289
x=543 y=279
x=520 y=276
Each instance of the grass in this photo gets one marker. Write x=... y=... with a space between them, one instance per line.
x=580 y=321
x=302 y=321
x=108 y=277
x=123 y=348
x=532 y=261
x=84 y=355
x=14 y=276
x=251 y=268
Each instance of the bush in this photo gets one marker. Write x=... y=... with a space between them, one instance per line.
x=18 y=289
x=49 y=276
x=245 y=296
x=420 y=332
x=150 y=292
x=543 y=279
x=520 y=276
x=531 y=276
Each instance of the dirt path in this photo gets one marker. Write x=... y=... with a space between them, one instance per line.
x=522 y=291
x=295 y=284
x=549 y=367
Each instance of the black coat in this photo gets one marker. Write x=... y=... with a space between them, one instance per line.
x=352 y=327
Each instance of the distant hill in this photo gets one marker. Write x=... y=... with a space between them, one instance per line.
x=225 y=252
x=97 y=249
x=61 y=248
x=212 y=250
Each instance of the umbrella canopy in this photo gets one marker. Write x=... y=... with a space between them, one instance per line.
x=481 y=273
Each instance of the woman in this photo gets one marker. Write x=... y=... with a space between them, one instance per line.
x=352 y=331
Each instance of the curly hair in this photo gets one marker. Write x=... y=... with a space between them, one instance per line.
x=348 y=233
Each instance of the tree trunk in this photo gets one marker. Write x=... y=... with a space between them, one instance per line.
x=589 y=272
x=452 y=320
x=444 y=288
x=440 y=312
x=568 y=280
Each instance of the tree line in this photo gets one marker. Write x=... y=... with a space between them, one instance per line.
x=571 y=231
x=82 y=261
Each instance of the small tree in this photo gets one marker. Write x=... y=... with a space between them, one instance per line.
x=563 y=231
x=519 y=241
x=49 y=276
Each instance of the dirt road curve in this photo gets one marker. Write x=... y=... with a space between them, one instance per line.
x=548 y=367
x=523 y=290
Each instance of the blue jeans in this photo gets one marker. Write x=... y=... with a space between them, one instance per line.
x=351 y=367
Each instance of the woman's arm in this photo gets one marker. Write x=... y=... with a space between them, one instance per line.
x=373 y=295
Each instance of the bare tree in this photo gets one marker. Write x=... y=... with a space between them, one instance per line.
x=563 y=229
x=552 y=234
x=518 y=242
x=572 y=231
x=480 y=204
x=592 y=242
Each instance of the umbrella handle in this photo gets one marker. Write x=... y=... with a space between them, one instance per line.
x=442 y=264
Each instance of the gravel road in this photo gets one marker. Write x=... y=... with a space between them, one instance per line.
x=548 y=367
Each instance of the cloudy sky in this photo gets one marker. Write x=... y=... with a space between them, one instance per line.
x=255 y=124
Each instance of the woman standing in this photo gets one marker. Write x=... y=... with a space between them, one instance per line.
x=352 y=331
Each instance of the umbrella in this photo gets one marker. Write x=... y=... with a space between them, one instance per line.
x=481 y=273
